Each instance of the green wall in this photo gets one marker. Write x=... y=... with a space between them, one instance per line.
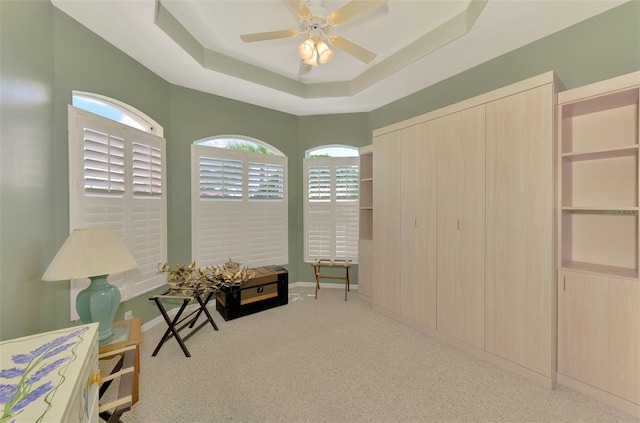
x=44 y=55
x=27 y=196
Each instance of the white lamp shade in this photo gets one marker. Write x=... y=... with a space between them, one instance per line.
x=324 y=52
x=90 y=252
x=306 y=49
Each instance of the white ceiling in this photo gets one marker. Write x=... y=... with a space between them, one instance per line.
x=196 y=44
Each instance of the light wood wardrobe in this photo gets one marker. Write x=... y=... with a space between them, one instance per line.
x=463 y=242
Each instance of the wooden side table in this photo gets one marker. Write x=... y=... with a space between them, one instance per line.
x=125 y=333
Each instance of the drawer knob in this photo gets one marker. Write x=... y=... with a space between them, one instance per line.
x=96 y=377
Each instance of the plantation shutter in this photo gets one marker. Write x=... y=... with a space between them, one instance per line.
x=267 y=241
x=239 y=207
x=347 y=212
x=319 y=213
x=116 y=177
x=147 y=232
x=218 y=210
x=331 y=208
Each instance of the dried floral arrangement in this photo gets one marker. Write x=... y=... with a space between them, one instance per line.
x=188 y=279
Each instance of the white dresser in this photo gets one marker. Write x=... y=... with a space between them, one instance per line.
x=50 y=377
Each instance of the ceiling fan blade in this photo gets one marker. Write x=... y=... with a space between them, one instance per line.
x=354 y=9
x=271 y=35
x=304 y=69
x=300 y=7
x=352 y=49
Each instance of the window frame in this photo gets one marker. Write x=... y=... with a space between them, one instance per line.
x=334 y=210
x=238 y=208
x=132 y=204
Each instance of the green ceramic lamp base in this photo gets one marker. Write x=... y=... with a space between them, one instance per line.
x=98 y=303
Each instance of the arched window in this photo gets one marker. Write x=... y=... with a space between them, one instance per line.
x=115 y=110
x=331 y=203
x=333 y=150
x=238 y=202
x=117 y=179
x=240 y=143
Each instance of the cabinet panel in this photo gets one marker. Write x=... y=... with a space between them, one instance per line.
x=598 y=337
x=386 y=222
x=520 y=229
x=365 y=225
x=418 y=225
x=460 y=224
x=365 y=267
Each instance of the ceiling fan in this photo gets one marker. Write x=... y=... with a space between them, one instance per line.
x=316 y=24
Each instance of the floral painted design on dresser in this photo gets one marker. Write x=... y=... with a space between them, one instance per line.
x=31 y=378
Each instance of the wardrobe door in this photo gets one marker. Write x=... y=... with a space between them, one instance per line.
x=386 y=222
x=460 y=224
x=418 y=225
x=598 y=337
x=520 y=229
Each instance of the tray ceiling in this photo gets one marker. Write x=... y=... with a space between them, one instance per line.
x=196 y=44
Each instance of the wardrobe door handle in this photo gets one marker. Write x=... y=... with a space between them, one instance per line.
x=459 y=224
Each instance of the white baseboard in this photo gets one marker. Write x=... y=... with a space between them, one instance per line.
x=159 y=319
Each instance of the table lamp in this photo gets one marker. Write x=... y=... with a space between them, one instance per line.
x=93 y=253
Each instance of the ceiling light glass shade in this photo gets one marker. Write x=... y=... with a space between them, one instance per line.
x=306 y=49
x=324 y=52
x=93 y=253
x=313 y=61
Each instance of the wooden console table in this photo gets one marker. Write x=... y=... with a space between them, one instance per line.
x=173 y=330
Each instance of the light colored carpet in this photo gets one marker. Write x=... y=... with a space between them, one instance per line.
x=328 y=360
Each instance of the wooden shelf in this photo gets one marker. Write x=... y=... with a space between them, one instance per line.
x=601 y=210
x=366 y=179
x=599 y=103
x=600 y=269
x=607 y=153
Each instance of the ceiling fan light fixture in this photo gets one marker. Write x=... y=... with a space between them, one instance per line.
x=306 y=49
x=325 y=54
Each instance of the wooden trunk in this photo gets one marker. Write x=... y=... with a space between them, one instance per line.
x=269 y=288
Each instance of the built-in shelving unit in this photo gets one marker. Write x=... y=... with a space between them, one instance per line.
x=599 y=183
x=598 y=285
